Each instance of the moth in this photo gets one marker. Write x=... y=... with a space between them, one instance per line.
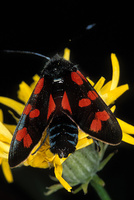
x=62 y=102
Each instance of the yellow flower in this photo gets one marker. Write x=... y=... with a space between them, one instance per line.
x=5 y=140
x=44 y=158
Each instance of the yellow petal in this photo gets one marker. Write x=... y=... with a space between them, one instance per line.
x=83 y=143
x=66 y=54
x=24 y=92
x=3 y=155
x=82 y=135
x=112 y=95
x=99 y=84
x=4 y=147
x=18 y=107
x=14 y=116
x=58 y=173
x=90 y=81
x=10 y=127
x=113 y=108
x=36 y=79
x=128 y=138
x=7 y=171
x=127 y=128
x=116 y=71
x=50 y=156
x=1 y=116
x=106 y=88
x=58 y=161
x=37 y=161
x=5 y=135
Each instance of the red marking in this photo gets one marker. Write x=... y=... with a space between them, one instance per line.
x=92 y=95
x=76 y=78
x=27 y=109
x=23 y=135
x=27 y=141
x=96 y=123
x=65 y=103
x=39 y=86
x=51 y=106
x=34 y=113
x=84 y=102
x=82 y=76
x=103 y=116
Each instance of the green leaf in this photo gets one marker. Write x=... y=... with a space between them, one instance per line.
x=105 y=161
x=53 y=188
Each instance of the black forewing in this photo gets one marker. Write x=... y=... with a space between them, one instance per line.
x=110 y=130
x=35 y=126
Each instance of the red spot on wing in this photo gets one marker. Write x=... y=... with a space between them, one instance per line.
x=82 y=76
x=23 y=135
x=65 y=103
x=27 y=109
x=27 y=141
x=96 y=124
x=92 y=95
x=84 y=102
x=103 y=115
x=51 y=106
x=39 y=86
x=76 y=78
x=34 y=113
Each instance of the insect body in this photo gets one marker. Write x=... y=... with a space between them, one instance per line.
x=62 y=102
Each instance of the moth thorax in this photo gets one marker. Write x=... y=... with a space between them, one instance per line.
x=63 y=136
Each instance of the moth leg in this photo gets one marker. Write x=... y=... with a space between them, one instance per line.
x=97 y=145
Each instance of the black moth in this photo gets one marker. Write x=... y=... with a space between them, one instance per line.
x=62 y=102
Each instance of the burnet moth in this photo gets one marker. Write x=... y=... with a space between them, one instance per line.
x=62 y=102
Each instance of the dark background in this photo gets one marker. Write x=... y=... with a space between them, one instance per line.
x=48 y=29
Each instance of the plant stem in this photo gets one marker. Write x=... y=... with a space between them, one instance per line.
x=102 y=193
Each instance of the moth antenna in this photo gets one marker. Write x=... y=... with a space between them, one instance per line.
x=27 y=52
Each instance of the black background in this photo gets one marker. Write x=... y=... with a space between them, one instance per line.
x=48 y=29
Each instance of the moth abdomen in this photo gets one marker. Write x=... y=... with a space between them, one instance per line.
x=63 y=135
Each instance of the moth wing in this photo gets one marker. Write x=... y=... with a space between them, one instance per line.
x=32 y=123
x=89 y=111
